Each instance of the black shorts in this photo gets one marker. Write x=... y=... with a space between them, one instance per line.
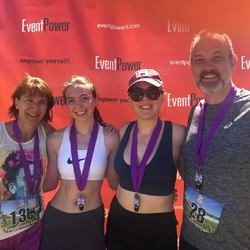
x=73 y=231
x=133 y=231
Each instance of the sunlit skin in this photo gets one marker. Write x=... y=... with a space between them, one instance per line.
x=147 y=113
x=212 y=65
x=80 y=102
x=146 y=109
x=31 y=110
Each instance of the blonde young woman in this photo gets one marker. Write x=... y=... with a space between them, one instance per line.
x=141 y=215
x=78 y=156
x=22 y=161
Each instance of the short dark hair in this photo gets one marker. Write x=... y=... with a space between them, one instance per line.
x=33 y=86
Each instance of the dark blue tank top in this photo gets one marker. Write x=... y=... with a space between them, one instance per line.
x=160 y=173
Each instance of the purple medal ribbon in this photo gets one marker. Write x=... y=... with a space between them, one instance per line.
x=81 y=178
x=225 y=106
x=137 y=172
x=201 y=149
x=30 y=180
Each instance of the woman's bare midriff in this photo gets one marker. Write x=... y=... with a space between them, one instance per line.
x=148 y=203
x=66 y=198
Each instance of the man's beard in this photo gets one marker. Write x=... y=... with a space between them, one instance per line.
x=209 y=86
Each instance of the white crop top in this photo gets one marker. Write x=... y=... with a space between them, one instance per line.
x=98 y=163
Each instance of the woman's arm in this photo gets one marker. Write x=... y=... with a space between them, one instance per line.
x=52 y=175
x=179 y=133
x=112 y=141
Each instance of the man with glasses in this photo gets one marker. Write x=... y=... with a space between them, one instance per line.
x=216 y=152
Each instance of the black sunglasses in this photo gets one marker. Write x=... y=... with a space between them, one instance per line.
x=152 y=93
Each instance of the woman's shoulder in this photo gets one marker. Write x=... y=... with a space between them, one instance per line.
x=174 y=125
x=56 y=134
x=54 y=140
x=112 y=141
x=179 y=133
x=178 y=127
x=111 y=136
x=48 y=128
x=6 y=125
x=124 y=127
x=5 y=128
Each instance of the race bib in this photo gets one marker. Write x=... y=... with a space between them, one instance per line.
x=21 y=213
x=203 y=212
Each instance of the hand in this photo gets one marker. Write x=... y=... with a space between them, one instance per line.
x=109 y=129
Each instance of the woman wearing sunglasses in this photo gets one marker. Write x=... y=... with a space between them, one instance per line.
x=78 y=156
x=22 y=162
x=141 y=215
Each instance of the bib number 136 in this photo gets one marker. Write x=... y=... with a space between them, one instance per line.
x=22 y=215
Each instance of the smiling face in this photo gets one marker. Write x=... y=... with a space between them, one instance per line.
x=146 y=108
x=30 y=94
x=80 y=102
x=31 y=108
x=212 y=64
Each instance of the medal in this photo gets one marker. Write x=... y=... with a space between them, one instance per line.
x=199 y=199
x=199 y=179
x=81 y=202
x=136 y=202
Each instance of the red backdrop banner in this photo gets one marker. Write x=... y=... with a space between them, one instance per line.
x=107 y=41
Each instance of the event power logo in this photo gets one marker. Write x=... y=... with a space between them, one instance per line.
x=116 y=64
x=182 y=101
x=44 y=25
x=174 y=27
x=245 y=63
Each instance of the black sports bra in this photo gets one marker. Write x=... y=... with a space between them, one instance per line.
x=160 y=173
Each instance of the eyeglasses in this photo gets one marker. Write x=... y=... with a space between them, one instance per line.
x=152 y=93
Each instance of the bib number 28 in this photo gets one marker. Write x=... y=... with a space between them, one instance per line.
x=197 y=213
